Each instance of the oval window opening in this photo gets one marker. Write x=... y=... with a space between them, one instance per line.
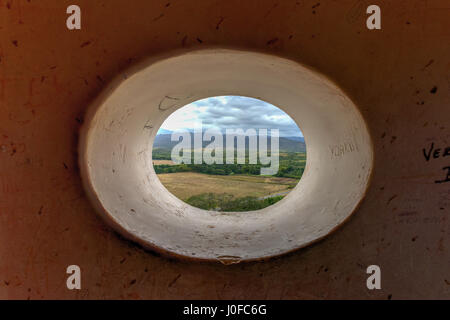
x=116 y=151
x=229 y=153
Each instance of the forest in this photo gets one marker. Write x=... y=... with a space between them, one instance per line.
x=292 y=165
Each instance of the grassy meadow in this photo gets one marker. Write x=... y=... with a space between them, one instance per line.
x=229 y=187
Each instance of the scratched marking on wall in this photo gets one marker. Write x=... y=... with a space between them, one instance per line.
x=420 y=220
x=338 y=150
x=356 y=11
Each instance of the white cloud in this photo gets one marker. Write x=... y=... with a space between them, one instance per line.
x=231 y=112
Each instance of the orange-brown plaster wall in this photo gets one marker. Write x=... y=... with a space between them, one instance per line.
x=49 y=75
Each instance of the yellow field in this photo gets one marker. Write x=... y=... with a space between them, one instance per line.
x=186 y=184
x=159 y=162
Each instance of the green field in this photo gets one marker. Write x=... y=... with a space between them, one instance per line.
x=291 y=165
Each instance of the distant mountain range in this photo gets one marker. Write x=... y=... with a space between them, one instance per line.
x=286 y=144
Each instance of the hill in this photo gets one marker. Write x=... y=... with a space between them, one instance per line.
x=286 y=144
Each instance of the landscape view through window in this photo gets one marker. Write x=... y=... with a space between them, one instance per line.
x=229 y=153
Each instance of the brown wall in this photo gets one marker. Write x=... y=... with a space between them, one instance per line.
x=48 y=76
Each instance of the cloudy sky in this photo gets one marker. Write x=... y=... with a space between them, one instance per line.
x=231 y=112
